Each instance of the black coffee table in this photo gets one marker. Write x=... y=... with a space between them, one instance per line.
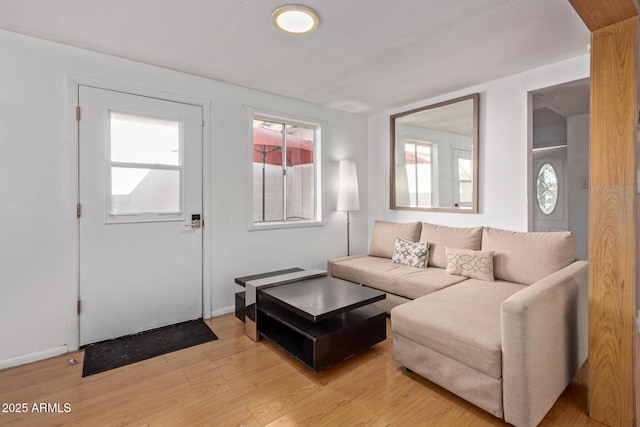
x=320 y=320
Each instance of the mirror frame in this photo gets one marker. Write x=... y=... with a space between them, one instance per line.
x=475 y=163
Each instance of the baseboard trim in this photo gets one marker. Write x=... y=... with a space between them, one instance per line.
x=52 y=352
x=33 y=357
x=223 y=311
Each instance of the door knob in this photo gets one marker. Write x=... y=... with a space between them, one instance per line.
x=195 y=221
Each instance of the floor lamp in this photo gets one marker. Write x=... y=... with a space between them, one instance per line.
x=348 y=198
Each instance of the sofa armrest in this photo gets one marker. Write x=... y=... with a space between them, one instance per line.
x=544 y=342
x=331 y=262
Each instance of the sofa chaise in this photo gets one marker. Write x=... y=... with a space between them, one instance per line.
x=497 y=317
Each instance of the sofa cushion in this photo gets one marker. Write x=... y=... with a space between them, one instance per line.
x=528 y=257
x=383 y=238
x=468 y=383
x=461 y=322
x=382 y=274
x=468 y=263
x=440 y=236
x=412 y=254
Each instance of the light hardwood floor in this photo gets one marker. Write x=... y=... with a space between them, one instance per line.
x=236 y=382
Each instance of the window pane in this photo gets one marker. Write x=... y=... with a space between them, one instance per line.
x=463 y=178
x=137 y=139
x=423 y=169
x=547 y=189
x=268 y=192
x=301 y=192
x=418 y=168
x=300 y=173
x=278 y=196
x=466 y=193
x=464 y=169
x=135 y=190
x=268 y=181
x=411 y=183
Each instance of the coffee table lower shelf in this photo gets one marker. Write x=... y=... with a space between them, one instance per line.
x=319 y=345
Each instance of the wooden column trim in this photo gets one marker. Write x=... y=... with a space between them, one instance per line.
x=598 y=14
x=613 y=99
x=612 y=207
x=612 y=224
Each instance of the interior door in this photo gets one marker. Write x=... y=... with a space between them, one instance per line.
x=140 y=197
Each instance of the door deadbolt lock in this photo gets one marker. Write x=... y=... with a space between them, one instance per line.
x=195 y=221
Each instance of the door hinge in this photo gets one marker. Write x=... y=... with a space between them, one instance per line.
x=78 y=209
x=78 y=306
x=77 y=112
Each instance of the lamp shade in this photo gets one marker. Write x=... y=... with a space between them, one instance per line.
x=348 y=197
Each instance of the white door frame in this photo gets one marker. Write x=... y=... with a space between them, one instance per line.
x=72 y=248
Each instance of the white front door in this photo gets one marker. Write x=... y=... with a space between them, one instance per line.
x=140 y=186
x=549 y=191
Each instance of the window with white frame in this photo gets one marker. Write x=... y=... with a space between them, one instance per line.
x=145 y=167
x=285 y=164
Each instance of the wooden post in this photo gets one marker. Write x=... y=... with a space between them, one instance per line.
x=612 y=210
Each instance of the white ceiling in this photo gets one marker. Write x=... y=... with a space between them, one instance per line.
x=366 y=56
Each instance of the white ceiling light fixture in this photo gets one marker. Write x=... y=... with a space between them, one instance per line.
x=295 y=19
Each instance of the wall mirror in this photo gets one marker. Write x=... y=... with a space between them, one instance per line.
x=434 y=157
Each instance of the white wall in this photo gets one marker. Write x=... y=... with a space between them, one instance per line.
x=550 y=135
x=36 y=267
x=504 y=150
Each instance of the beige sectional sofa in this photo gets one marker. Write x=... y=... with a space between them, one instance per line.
x=509 y=346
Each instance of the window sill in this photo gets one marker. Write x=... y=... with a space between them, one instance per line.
x=285 y=225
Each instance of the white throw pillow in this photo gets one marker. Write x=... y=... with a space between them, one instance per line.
x=413 y=254
x=470 y=263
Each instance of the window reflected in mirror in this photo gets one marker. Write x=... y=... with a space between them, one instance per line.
x=434 y=150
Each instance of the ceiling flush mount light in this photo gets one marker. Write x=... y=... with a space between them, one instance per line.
x=295 y=19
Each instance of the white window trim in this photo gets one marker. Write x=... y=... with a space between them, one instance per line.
x=317 y=156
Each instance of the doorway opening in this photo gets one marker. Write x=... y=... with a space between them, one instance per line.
x=559 y=166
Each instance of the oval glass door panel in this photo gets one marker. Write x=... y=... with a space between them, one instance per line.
x=547 y=188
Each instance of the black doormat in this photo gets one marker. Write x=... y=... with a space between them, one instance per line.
x=105 y=355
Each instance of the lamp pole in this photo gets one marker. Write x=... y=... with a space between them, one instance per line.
x=348 y=234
